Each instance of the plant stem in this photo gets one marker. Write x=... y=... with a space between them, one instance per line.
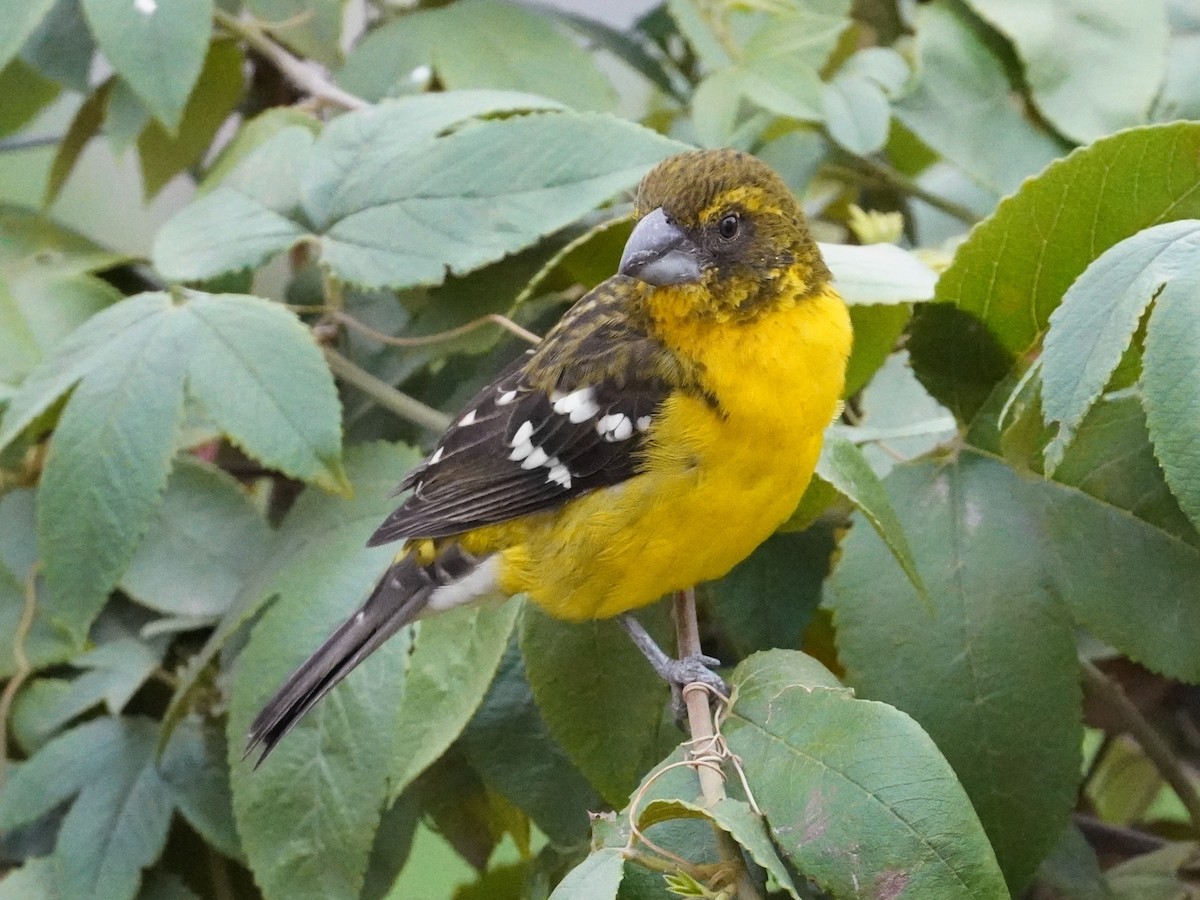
x=1108 y=692
x=868 y=170
x=21 y=667
x=292 y=68
x=700 y=724
x=385 y=395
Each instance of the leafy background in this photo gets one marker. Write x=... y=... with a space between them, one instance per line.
x=251 y=256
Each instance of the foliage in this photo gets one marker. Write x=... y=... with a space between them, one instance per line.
x=198 y=437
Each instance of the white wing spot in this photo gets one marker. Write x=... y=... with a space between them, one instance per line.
x=437 y=456
x=643 y=423
x=536 y=458
x=561 y=474
x=615 y=427
x=506 y=398
x=521 y=451
x=623 y=430
x=468 y=419
x=524 y=433
x=579 y=405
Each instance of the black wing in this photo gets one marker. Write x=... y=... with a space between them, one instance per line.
x=563 y=420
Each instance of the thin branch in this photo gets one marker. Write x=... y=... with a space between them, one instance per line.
x=1153 y=744
x=292 y=68
x=872 y=172
x=1127 y=841
x=385 y=395
x=439 y=337
x=21 y=667
x=700 y=724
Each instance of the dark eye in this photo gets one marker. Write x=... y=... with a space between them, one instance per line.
x=727 y=228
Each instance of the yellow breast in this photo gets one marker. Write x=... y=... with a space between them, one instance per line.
x=718 y=480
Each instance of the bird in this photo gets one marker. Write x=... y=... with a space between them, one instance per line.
x=662 y=430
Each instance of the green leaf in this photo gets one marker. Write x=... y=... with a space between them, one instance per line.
x=118 y=821
x=61 y=47
x=311 y=27
x=21 y=18
x=960 y=105
x=164 y=153
x=318 y=551
x=203 y=542
x=843 y=465
x=85 y=126
x=1091 y=69
x=27 y=93
x=254 y=134
x=856 y=113
x=856 y=795
x=375 y=173
x=596 y=692
x=596 y=878
x=156 y=47
x=126 y=116
x=45 y=645
x=979 y=544
x=508 y=743
x=308 y=816
x=478 y=44
x=1092 y=328
x=195 y=771
x=260 y=377
x=453 y=660
x=878 y=274
x=1013 y=270
x=1169 y=367
x=36 y=879
x=108 y=462
x=1166 y=874
x=1072 y=872
x=877 y=333
x=770 y=597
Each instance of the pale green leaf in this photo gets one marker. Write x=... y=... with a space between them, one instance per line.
x=1166 y=874
x=856 y=795
x=21 y=18
x=1093 y=68
x=1092 y=327
x=157 y=46
x=978 y=539
x=453 y=660
x=204 y=540
x=596 y=878
x=311 y=27
x=878 y=273
x=856 y=112
x=118 y=820
x=260 y=376
x=195 y=771
x=960 y=105
x=61 y=47
x=35 y=879
x=478 y=44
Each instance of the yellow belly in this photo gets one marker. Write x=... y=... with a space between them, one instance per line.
x=716 y=484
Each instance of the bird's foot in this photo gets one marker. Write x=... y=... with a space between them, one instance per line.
x=697 y=669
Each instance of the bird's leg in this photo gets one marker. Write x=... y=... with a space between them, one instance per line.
x=676 y=672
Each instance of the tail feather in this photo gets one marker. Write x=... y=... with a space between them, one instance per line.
x=397 y=600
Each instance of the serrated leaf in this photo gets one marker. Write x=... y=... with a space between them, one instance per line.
x=453 y=660
x=1092 y=327
x=979 y=540
x=595 y=691
x=21 y=18
x=156 y=47
x=1092 y=69
x=118 y=820
x=204 y=540
x=477 y=44
x=960 y=105
x=508 y=743
x=596 y=878
x=850 y=815
x=308 y=816
x=843 y=465
x=396 y=204
x=320 y=548
x=996 y=298
x=261 y=378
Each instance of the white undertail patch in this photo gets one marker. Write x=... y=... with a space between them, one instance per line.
x=478 y=584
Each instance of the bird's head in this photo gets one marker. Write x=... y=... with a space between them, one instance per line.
x=725 y=225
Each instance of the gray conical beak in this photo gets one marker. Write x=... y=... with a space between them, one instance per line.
x=658 y=252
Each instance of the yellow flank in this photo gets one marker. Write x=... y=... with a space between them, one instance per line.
x=718 y=481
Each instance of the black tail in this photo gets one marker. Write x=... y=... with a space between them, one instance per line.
x=397 y=600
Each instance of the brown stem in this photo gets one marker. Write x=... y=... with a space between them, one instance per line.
x=21 y=667
x=385 y=395
x=1108 y=692
x=425 y=339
